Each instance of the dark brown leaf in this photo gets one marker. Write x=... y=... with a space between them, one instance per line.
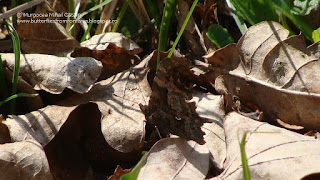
x=114 y=59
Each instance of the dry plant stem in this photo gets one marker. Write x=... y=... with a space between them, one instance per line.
x=20 y=8
x=105 y=15
x=139 y=11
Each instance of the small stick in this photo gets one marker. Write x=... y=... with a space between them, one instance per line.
x=20 y=8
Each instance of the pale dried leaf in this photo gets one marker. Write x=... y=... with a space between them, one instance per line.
x=24 y=160
x=101 y=42
x=176 y=158
x=276 y=74
x=54 y=74
x=292 y=107
x=41 y=125
x=118 y=99
x=255 y=45
x=211 y=107
x=272 y=152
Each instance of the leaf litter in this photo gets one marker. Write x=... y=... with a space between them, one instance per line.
x=107 y=120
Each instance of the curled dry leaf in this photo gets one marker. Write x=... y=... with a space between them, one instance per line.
x=278 y=75
x=24 y=160
x=118 y=99
x=116 y=52
x=41 y=125
x=175 y=158
x=272 y=152
x=168 y=108
x=211 y=107
x=54 y=74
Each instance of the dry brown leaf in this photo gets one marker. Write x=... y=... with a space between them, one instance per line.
x=41 y=125
x=45 y=38
x=211 y=107
x=24 y=160
x=272 y=152
x=278 y=75
x=54 y=74
x=116 y=52
x=114 y=59
x=175 y=158
x=118 y=98
x=118 y=173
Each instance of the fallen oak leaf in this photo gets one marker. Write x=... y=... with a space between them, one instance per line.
x=275 y=73
x=41 y=125
x=114 y=59
x=24 y=160
x=118 y=99
x=36 y=39
x=116 y=52
x=175 y=158
x=272 y=152
x=54 y=74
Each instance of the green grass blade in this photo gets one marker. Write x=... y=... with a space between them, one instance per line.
x=16 y=49
x=245 y=167
x=93 y=16
x=254 y=11
x=167 y=16
x=239 y=21
x=135 y=171
x=121 y=14
x=16 y=96
x=219 y=35
x=91 y=9
x=182 y=28
x=284 y=7
x=154 y=11
x=3 y=84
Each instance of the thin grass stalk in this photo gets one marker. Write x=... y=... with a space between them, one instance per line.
x=16 y=96
x=121 y=14
x=16 y=49
x=91 y=10
x=245 y=167
x=93 y=16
